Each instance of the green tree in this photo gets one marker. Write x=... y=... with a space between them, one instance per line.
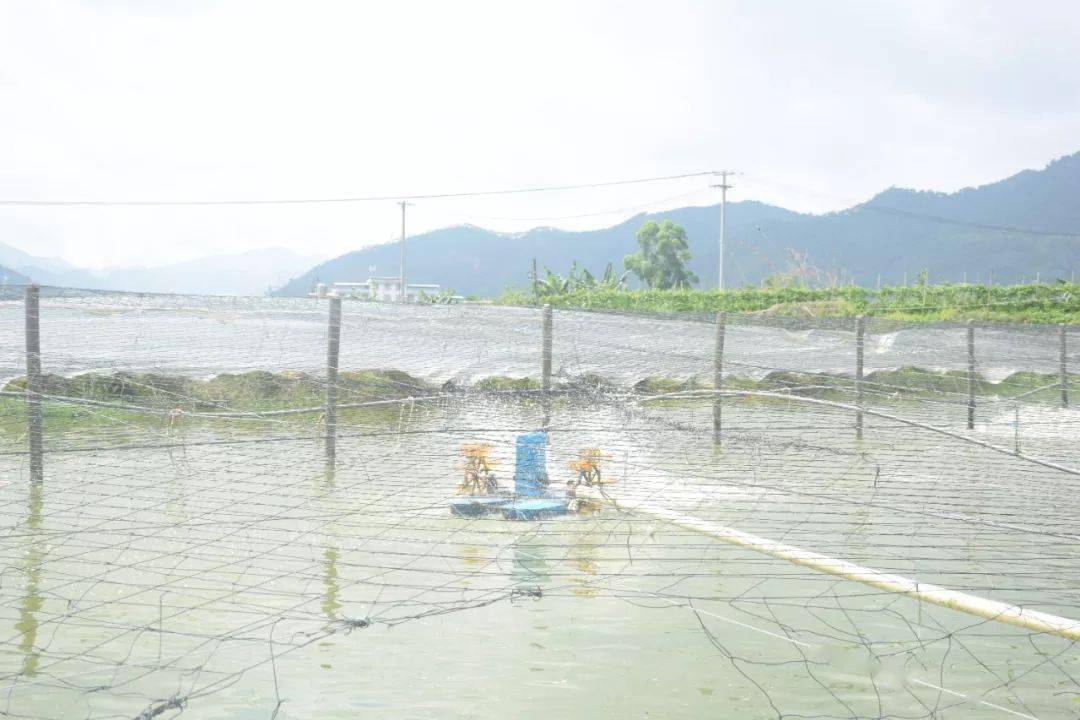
x=663 y=252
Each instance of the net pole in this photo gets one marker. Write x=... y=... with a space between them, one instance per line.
x=971 y=375
x=860 y=345
x=33 y=383
x=545 y=363
x=1063 y=367
x=718 y=375
x=1016 y=426
x=333 y=346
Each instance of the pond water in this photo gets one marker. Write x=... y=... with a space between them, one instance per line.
x=229 y=572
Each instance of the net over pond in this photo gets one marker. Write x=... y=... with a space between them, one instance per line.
x=192 y=548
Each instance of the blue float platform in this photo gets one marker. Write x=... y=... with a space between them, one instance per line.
x=474 y=505
x=533 y=508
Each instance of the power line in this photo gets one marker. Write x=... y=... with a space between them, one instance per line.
x=357 y=199
x=518 y=191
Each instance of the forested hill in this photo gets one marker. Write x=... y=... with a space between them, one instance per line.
x=1026 y=224
x=472 y=260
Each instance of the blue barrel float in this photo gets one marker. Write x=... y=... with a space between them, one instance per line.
x=530 y=465
x=531 y=481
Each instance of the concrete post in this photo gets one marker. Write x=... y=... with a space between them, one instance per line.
x=1016 y=430
x=545 y=364
x=718 y=375
x=333 y=346
x=971 y=375
x=33 y=383
x=1064 y=369
x=860 y=345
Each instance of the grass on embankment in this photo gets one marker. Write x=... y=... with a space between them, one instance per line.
x=250 y=392
x=1043 y=303
x=257 y=391
x=261 y=391
x=906 y=382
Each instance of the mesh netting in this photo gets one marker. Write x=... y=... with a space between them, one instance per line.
x=190 y=546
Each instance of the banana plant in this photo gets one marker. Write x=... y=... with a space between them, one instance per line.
x=553 y=285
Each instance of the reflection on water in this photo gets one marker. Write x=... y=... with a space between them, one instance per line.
x=472 y=558
x=330 y=603
x=331 y=588
x=529 y=560
x=175 y=489
x=30 y=605
x=585 y=551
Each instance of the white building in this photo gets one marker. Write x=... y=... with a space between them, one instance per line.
x=380 y=289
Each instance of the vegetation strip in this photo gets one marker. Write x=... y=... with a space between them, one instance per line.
x=1034 y=303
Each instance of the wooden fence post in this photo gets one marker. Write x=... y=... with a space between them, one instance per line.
x=971 y=375
x=333 y=346
x=860 y=345
x=718 y=375
x=33 y=383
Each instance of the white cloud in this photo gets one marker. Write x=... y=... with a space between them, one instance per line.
x=237 y=100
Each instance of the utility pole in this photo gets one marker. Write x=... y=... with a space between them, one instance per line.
x=403 y=205
x=723 y=207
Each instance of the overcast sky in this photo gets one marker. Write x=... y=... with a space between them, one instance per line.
x=818 y=104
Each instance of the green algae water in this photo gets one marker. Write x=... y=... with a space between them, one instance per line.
x=229 y=573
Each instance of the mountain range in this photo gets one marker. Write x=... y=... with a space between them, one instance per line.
x=1026 y=224
x=1015 y=228
x=10 y=277
x=248 y=273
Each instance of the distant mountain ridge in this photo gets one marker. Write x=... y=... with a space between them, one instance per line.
x=897 y=232
x=11 y=277
x=476 y=261
x=1017 y=227
x=248 y=273
x=13 y=257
